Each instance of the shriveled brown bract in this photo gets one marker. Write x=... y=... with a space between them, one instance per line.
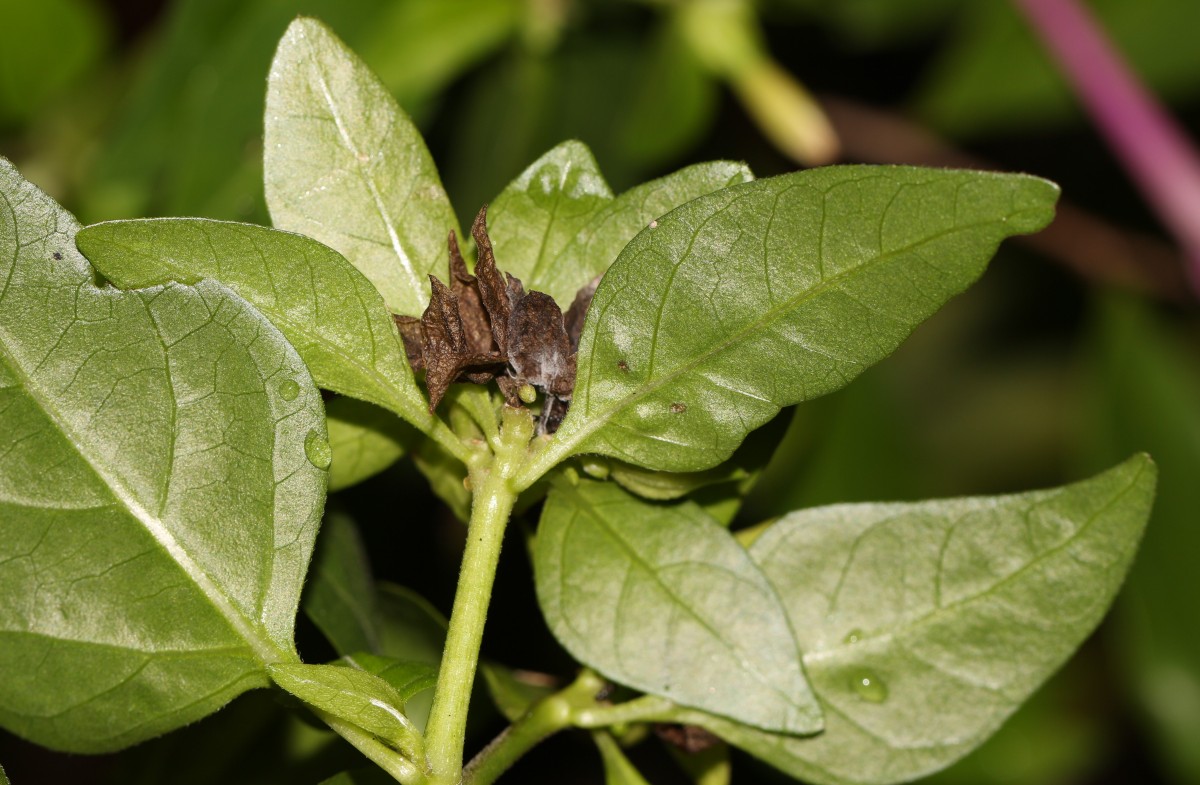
x=486 y=326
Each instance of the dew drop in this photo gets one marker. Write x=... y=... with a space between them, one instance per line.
x=854 y=636
x=868 y=686
x=654 y=224
x=318 y=451
x=288 y=389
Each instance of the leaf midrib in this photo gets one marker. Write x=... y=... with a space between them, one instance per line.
x=586 y=508
x=562 y=448
x=266 y=649
x=818 y=655
x=393 y=236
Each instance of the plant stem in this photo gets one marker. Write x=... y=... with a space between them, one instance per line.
x=493 y=502
x=545 y=718
x=1154 y=150
x=401 y=769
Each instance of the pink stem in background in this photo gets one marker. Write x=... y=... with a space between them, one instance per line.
x=1154 y=150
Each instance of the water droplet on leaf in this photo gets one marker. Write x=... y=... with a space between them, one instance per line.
x=318 y=451
x=854 y=636
x=289 y=389
x=868 y=686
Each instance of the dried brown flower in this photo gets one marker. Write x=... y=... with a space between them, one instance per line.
x=486 y=326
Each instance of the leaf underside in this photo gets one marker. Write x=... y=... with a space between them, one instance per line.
x=157 y=508
x=345 y=165
x=772 y=292
x=924 y=626
x=662 y=598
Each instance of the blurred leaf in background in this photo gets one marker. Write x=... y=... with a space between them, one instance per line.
x=45 y=46
x=994 y=77
x=1146 y=389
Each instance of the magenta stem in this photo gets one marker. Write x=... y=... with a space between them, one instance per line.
x=1154 y=150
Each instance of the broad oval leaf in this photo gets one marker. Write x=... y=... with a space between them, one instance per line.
x=158 y=495
x=345 y=165
x=327 y=309
x=599 y=243
x=353 y=695
x=542 y=210
x=662 y=598
x=925 y=625
x=773 y=292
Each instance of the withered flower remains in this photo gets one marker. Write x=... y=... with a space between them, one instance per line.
x=486 y=326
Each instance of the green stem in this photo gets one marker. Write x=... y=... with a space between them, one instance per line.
x=647 y=708
x=545 y=718
x=401 y=769
x=493 y=502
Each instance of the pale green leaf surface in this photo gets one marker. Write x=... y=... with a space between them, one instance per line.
x=406 y=676
x=540 y=211
x=789 y=287
x=157 y=508
x=365 y=440
x=327 y=309
x=345 y=165
x=954 y=611
x=617 y=768
x=663 y=599
x=350 y=694
x=597 y=245
x=340 y=594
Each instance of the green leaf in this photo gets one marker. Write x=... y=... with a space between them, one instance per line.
x=408 y=678
x=365 y=440
x=617 y=768
x=3 y=777
x=925 y=625
x=340 y=594
x=326 y=308
x=789 y=287
x=597 y=246
x=662 y=598
x=353 y=695
x=513 y=693
x=346 y=166
x=534 y=218
x=159 y=495
x=446 y=476
x=410 y=627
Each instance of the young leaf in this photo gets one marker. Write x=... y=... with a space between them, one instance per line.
x=365 y=440
x=353 y=695
x=597 y=246
x=326 y=308
x=345 y=165
x=925 y=625
x=160 y=492
x=340 y=595
x=789 y=287
x=617 y=768
x=663 y=599
x=540 y=212
x=408 y=678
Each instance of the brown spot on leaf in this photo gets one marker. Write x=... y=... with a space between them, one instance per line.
x=678 y=408
x=622 y=366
